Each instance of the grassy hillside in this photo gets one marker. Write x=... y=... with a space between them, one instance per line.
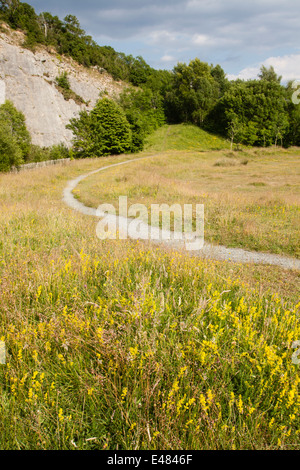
x=120 y=345
x=184 y=137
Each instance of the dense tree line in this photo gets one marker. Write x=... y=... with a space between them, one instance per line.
x=256 y=112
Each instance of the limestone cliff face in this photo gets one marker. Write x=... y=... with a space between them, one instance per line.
x=29 y=83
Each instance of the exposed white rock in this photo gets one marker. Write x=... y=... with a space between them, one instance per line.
x=29 y=83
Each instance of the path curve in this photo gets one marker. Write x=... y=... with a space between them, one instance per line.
x=218 y=252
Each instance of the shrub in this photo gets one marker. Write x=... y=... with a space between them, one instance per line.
x=41 y=154
x=103 y=131
x=14 y=121
x=62 y=81
x=59 y=151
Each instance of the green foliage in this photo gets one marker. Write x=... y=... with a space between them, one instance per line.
x=14 y=137
x=103 y=131
x=255 y=112
x=293 y=133
x=139 y=70
x=41 y=154
x=144 y=111
x=195 y=91
x=269 y=74
x=63 y=85
x=58 y=151
x=14 y=121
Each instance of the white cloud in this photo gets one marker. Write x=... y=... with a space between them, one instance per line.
x=288 y=66
x=213 y=30
x=168 y=58
x=161 y=37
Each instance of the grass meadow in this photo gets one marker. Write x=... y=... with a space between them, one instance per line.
x=122 y=345
x=251 y=197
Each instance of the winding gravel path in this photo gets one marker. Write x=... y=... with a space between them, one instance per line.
x=236 y=255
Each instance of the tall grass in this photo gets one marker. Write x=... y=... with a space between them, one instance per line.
x=253 y=206
x=120 y=345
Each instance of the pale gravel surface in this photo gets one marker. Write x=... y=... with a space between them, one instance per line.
x=236 y=255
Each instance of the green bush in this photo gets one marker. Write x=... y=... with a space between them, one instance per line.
x=37 y=154
x=63 y=81
x=15 y=139
x=59 y=151
x=42 y=154
x=144 y=111
x=14 y=120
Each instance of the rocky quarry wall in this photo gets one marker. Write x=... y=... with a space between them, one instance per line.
x=28 y=80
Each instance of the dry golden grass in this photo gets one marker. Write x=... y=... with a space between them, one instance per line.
x=255 y=206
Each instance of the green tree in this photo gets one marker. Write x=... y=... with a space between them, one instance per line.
x=144 y=111
x=62 y=81
x=10 y=152
x=235 y=129
x=72 y=26
x=14 y=122
x=103 y=131
x=220 y=77
x=9 y=5
x=193 y=94
x=269 y=74
x=293 y=133
x=260 y=107
x=139 y=70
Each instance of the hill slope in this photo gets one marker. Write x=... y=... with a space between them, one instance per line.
x=187 y=137
x=30 y=84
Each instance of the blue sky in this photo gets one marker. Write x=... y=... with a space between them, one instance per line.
x=240 y=36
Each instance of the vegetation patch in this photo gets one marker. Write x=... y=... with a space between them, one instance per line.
x=16 y=147
x=62 y=84
x=125 y=346
x=240 y=209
